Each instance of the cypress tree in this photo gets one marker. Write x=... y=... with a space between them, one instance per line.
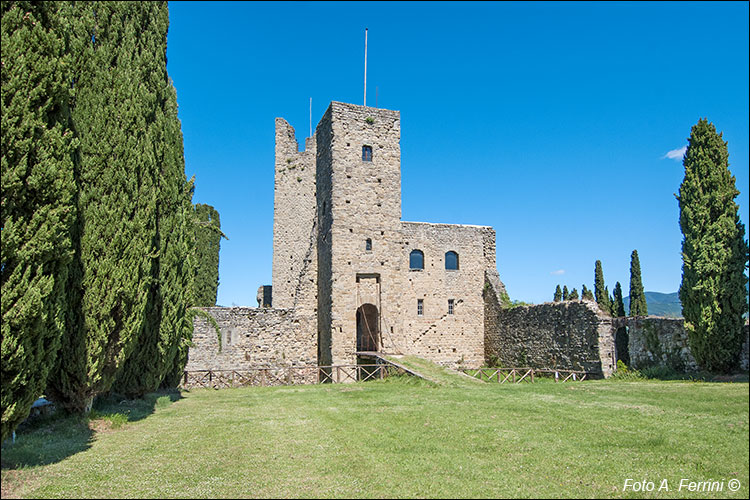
x=638 y=305
x=166 y=323
x=115 y=237
x=586 y=294
x=714 y=251
x=618 y=306
x=600 y=293
x=565 y=293
x=37 y=200
x=208 y=239
x=573 y=295
x=558 y=294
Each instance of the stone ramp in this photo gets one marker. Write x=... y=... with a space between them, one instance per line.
x=427 y=370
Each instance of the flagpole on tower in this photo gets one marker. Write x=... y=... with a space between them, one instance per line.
x=365 y=99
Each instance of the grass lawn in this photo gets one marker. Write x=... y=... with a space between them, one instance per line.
x=399 y=437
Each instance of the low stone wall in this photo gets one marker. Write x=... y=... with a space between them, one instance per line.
x=569 y=335
x=252 y=338
x=659 y=341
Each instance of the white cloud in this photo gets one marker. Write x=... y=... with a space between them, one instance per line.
x=675 y=154
x=558 y=272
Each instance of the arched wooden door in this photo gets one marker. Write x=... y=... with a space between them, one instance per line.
x=368 y=334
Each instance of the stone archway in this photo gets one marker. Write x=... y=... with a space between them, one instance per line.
x=368 y=329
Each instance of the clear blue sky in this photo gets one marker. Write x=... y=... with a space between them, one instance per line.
x=550 y=122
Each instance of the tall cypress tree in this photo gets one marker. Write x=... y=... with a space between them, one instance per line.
x=37 y=200
x=558 y=294
x=573 y=295
x=618 y=306
x=714 y=252
x=586 y=293
x=565 y=293
x=638 y=305
x=115 y=237
x=600 y=293
x=208 y=239
x=166 y=319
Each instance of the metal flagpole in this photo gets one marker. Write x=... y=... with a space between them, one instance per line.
x=365 y=99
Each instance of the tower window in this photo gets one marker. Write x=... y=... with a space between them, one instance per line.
x=368 y=244
x=451 y=260
x=450 y=306
x=416 y=259
x=366 y=153
x=420 y=307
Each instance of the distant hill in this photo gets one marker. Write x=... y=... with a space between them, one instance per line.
x=660 y=304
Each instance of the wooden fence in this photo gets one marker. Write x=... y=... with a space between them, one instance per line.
x=258 y=377
x=518 y=375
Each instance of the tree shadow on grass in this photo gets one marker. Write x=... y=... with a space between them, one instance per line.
x=49 y=439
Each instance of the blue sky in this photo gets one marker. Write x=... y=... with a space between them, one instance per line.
x=551 y=122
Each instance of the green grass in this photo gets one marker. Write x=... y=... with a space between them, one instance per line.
x=399 y=437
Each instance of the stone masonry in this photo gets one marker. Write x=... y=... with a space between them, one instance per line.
x=574 y=335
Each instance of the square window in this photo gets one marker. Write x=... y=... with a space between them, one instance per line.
x=366 y=153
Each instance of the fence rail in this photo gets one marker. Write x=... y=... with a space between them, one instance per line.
x=294 y=375
x=518 y=375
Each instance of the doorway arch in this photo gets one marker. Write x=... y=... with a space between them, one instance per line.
x=368 y=330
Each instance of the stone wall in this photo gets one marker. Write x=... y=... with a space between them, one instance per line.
x=455 y=339
x=294 y=273
x=573 y=335
x=252 y=338
x=658 y=341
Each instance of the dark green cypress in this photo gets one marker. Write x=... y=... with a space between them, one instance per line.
x=600 y=293
x=618 y=306
x=565 y=293
x=586 y=294
x=37 y=200
x=714 y=251
x=166 y=315
x=208 y=239
x=558 y=294
x=573 y=295
x=638 y=305
x=116 y=234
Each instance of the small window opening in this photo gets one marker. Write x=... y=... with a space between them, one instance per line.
x=451 y=260
x=368 y=245
x=416 y=259
x=420 y=307
x=450 y=306
x=366 y=153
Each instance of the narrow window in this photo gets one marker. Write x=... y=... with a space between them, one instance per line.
x=366 y=153
x=420 y=307
x=451 y=260
x=450 y=306
x=416 y=259
x=368 y=244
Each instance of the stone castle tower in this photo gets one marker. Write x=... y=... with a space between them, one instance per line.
x=346 y=263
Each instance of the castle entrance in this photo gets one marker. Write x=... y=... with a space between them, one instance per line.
x=368 y=336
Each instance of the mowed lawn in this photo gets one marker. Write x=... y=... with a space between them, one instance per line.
x=398 y=438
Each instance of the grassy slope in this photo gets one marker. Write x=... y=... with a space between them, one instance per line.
x=400 y=438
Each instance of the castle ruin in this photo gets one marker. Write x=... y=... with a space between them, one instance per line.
x=350 y=277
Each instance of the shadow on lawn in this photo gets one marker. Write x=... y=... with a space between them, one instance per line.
x=51 y=438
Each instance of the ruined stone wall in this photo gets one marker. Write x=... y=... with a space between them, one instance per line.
x=252 y=338
x=294 y=272
x=573 y=335
x=659 y=341
x=449 y=339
